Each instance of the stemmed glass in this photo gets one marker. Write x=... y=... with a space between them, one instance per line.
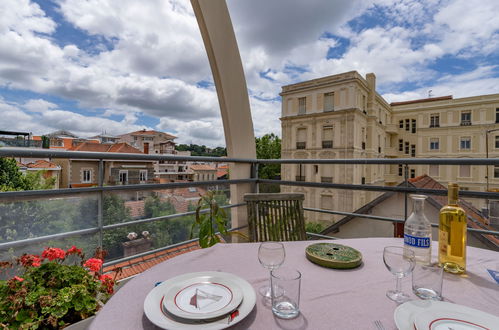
x=271 y=255
x=400 y=262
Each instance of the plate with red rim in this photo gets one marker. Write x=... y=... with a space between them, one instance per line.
x=436 y=315
x=457 y=318
x=155 y=311
x=199 y=297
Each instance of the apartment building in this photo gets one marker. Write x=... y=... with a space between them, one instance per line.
x=342 y=116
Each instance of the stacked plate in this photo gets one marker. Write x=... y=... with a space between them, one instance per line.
x=435 y=315
x=204 y=300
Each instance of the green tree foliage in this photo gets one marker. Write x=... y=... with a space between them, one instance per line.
x=268 y=147
x=314 y=227
x=10 y=176
x=197 y=150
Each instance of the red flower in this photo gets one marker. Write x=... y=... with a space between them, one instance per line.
x=17 y=278
x=93 y=264
x=53 y=253
x=107 y=282
x=32 y=260
x=73 y=250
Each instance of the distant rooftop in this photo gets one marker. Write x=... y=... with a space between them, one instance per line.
x=430 y=99
x=151 y=132
x=97 y=147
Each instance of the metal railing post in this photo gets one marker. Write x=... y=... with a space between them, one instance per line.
x=256 y=167
x=100 y=204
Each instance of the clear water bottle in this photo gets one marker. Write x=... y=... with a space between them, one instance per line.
x=417 y=231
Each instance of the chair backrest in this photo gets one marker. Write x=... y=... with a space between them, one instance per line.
x=275 y=217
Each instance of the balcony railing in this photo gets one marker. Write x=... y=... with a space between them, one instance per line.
x=101 y=230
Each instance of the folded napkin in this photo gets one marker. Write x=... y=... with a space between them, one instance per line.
x=494 y=274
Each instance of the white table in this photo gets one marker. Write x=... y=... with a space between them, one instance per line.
x=330 y=299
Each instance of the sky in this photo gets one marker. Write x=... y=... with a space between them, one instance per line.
x=116 y=66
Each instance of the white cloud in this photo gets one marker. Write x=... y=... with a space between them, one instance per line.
x=39 y=105
x=146 y=58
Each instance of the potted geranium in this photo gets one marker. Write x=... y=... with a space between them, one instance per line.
x=56 y=289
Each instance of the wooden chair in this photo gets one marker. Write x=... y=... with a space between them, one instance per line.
x=275 y=217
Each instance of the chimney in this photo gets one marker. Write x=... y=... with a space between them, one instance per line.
x=371 y=85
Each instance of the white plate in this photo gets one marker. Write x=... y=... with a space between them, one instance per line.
x=455 y=317
x=153 y=305
x=406 y=314
x=201 y=297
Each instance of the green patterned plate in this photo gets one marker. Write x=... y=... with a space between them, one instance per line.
x=333 y=255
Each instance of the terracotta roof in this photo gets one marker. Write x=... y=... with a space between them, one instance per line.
x=42 y=163
x=138 y=265
x=202 y=167
x=430 y=99
x=97 y=147
x=222 y=172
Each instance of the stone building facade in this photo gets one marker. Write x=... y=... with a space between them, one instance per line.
x=342 y=116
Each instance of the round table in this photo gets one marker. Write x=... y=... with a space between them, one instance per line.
x=330 y=299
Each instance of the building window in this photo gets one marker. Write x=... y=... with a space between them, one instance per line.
x=407 y=124
x=143 y=175
x=401 y=145
x=401 y=170
x=407 y=147
x=413 y=125
x=465 y=143
x=434 y=170
x=434 y=120
x=497 y=115
x=497 y=142
x=300 y=173
x=56 y=143
x=363 y=180
x=328 y=102
x=466 y=118
x=327 y=137
x=302 y=105
x=413 y=173
x=326 y=179
x=413 y=150
x=496 y=172
x=301 y=137
x=86 y=176
x=123 y=176
x=464 y=171
x=401 y=124
x=434 y=144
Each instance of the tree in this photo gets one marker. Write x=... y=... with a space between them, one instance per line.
x=268 y=147
x=11 y=178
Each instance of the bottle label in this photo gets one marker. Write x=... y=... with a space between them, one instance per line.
x=420 y=242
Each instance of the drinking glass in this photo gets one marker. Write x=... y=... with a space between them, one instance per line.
x=285 y=285
x=427 y=281
x=400 y=262
x=271 y=255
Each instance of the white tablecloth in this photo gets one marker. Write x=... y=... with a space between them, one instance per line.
x=330 y=299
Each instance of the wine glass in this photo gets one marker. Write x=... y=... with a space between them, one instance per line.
x=400 y=262
x=271 y=255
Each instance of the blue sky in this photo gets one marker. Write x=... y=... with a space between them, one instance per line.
x=92 y=66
